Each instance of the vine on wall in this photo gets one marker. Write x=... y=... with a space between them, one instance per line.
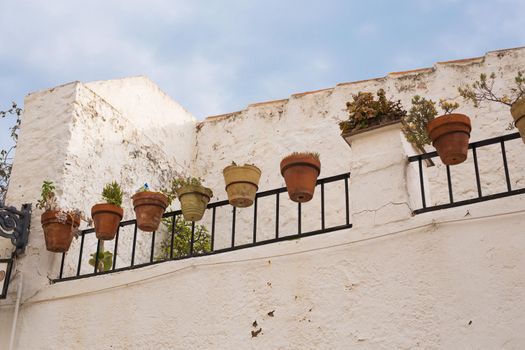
x=7 y=154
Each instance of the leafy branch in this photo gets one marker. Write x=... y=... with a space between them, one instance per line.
x=483 y=90
x=6 y=158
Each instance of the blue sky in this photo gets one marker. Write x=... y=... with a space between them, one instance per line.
x=216 y=57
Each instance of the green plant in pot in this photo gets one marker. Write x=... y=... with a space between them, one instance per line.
x=482 y=90
x=59 y=225
x=300 y=171
x=366 y=112
x=105 y=258
x=182 y=239
x=448 y=133
x=193 y=196
x=107 y=216
x=149 y=207
x=242 y=183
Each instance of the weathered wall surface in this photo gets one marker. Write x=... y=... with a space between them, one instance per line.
x=75 y=138
x=165 y=122
x=441 y=280
x=308 y=122
x=446 y=285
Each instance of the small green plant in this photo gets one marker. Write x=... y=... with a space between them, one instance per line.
x=365 y=111
x=112 y=193
x=183 y=181
x=414 y=124
x=48 y=200
x=143 y=188
x=483 y=90
x=448 y=106
x=105 y=259
x=315 y=155
x=182 y=239
x=179 y=182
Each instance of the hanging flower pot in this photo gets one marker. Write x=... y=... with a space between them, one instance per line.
x=242 y=183
x=149 y=207
x=518 y=114
x=58 y=229
x=300 y=172
x=450 y=135
x=193 y=201
x=59 y=225
x=106 y=218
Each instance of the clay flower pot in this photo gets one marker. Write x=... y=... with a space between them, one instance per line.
x=58 y=230
x=106 y=218
x=193 y=201
x=242 y=183
x=518 y=113
x=450 y=136
x=149 y=207
x=300 y=172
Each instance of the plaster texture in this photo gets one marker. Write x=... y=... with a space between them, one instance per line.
x=165 y=122
x=450 y=279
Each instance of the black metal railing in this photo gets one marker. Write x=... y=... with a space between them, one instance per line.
x=277 y=235
x=6 y=266
x=14 y=225
x=481 y=197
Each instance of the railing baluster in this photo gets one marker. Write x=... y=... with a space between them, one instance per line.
x=505 y=165
x=115 y=249
x=277 y=215
x=173 y=223
x=233 y=226
x=299 y=218
x=192 y=237
x=96 y=256
x=347 y=202
x=322 y=207
x=134 y=246
x=80 y=254
x=213 y=230
x=476 y=169
x=62 y=265
x=255 y=220
x=449 y=182
x=152 y=247
x=421 y=183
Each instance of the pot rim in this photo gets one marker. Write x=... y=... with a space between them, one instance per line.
x=50 y=216
x=245 y=166
x=297 y=160
x=101 y=208
x=188 y=189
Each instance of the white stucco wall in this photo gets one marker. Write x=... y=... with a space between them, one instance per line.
x=447 y=279
x=165 y=122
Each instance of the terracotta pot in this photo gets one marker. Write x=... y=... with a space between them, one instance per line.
x=518 y=113
x=193 y=201
x=450 y=136
x=106 y=218
x=149 y=207
x=300 y=173
x=58 y=233
x=242 y=183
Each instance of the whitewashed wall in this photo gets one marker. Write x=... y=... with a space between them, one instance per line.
x=448 y=279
